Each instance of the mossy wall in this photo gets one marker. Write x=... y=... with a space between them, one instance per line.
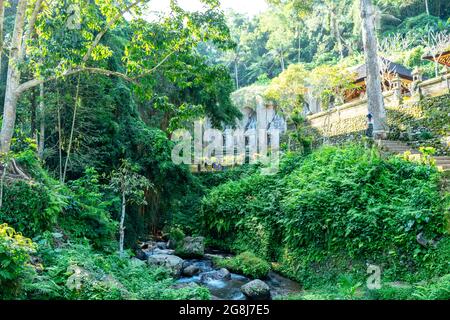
x=426 y=123
x=423 y=123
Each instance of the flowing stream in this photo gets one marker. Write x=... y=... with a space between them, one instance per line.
x=230 y=289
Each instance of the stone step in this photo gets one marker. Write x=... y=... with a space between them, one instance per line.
x=442 y=162
x=396 y=146
x=446 y=165
x=389 y=144
x=401 y=151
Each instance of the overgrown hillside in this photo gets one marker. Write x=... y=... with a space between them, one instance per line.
x=73 y=251
x=92 y=92
x=334 y=211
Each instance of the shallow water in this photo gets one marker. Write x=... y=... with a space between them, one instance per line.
x=231 y=289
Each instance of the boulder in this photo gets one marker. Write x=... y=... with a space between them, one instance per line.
x=191 y=271
x=171 y=262
x=78 y=277
x=221 y=274
x=172 y=244
x=424 y=241
x=193 y=246
x=141 y=254
x=111 y=283
x=256 y=290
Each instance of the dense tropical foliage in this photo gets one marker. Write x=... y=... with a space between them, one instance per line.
x=91 y=92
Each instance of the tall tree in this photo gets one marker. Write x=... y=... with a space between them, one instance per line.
x=64 y=58
x=41 y=140
x=334 y=10
x=13 y=79
x=280 y=34
x=373 y=80
x=131 y=187
x=2 y=18
x=427 y=7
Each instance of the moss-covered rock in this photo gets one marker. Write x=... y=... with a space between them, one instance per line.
x=256 y=290
x=247 y=264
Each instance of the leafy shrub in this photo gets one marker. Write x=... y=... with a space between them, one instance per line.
x=15 y=252
x=78 y=272
x=79 y=209
x=438 y=260
x=350 y=198
x=214 y=179
x=348 y=286
x=392 y=292
x=438 y=290
x=31 y=208
x=247 y=264
x=330 y=212
x=176 y=235
x=234 y=210
x=86 y=215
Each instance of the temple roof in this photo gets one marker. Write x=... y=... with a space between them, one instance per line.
x=442 y=58
x=403 y=72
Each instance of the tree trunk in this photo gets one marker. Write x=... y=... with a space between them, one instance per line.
x=427 y=7
x=33 y=115
x=2 y=20
x=41 y=122
x=337 y=32
x=299 y=47
x=31 y=24
x=13 y=79
x=72 y=129
x=373 y=81
x=236 y=72
x=122 y=225
x=59 y=135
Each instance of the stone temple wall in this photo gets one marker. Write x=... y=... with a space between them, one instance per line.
x=349 y=121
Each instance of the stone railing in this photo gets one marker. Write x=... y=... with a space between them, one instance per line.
x=434 y=87
x=350 y=119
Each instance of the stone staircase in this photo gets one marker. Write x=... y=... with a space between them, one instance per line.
x=398 y=147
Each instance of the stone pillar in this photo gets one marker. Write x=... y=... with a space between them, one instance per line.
x=397 y=87
x=446 y=75
x=415 y=88
x=417 y=75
